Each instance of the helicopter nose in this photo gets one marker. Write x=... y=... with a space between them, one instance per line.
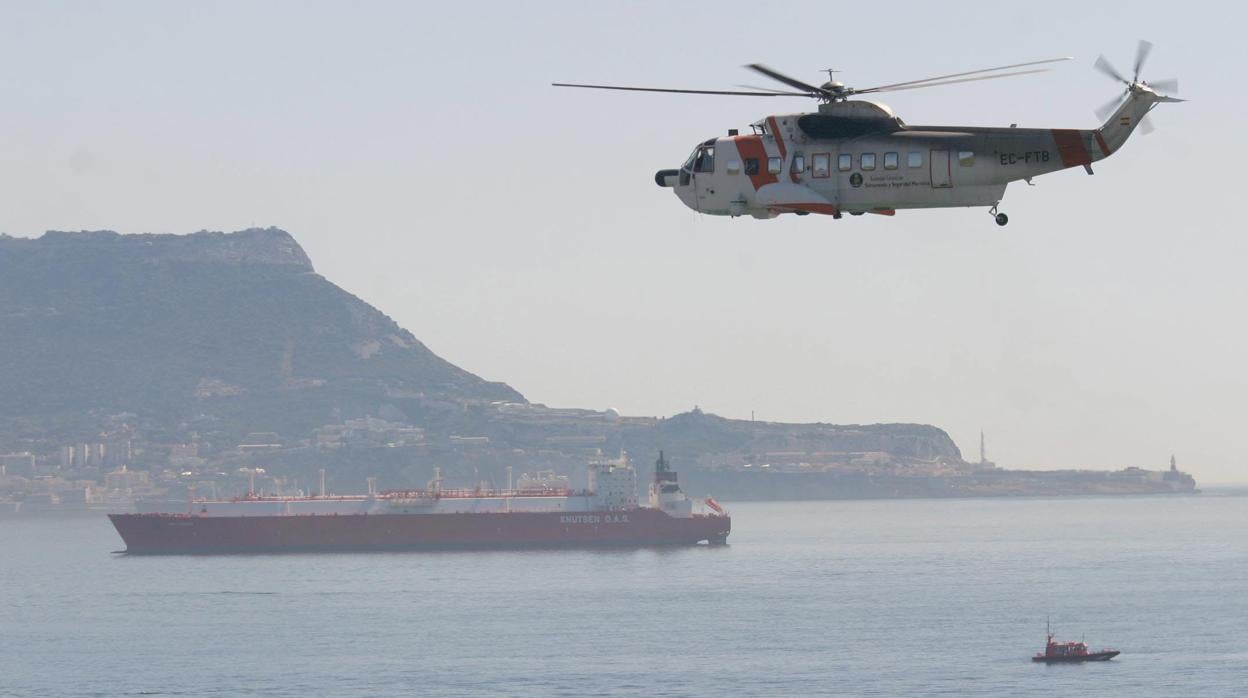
x=666 y=178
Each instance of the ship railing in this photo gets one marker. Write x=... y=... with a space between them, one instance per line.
x=465 y=493
x=462 y=493
x=469 y=494
x=287 y=498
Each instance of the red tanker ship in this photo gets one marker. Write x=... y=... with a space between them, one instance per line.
x=543 y=513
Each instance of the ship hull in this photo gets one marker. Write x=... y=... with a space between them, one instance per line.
x=1090 y=657
x=155 y=534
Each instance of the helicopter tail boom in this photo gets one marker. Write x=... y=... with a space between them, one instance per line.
x=1122 y=123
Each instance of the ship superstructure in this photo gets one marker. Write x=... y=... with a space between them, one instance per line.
x=541 y=511
x=665 y=492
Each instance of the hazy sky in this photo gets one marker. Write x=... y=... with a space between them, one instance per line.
x=419 y=155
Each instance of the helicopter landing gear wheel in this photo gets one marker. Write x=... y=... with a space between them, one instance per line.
x=1000 y=218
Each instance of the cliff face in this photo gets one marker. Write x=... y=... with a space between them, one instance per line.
x=269 y=246
x=917 y=442
x=214 y=328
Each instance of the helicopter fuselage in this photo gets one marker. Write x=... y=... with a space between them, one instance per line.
x=857 y=157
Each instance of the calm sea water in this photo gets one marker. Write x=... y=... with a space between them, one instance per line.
x=839 y=598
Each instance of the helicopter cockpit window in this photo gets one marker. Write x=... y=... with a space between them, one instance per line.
x=914 y=159
x=868 y=161
x=890 y=161
x=966 y=158
x=751 y=166
x=774 y=165
x=705 y=161
x=734 y=167
x=799 y=163
x=845 y=162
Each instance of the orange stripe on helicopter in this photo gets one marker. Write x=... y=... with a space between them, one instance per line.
x=775 y=131
x=752 y=147
x=784 y=156
x=1070 y=147
x=1100 y=140
x=825 y=209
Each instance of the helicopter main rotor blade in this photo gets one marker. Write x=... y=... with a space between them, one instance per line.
x=791 y=82
x=672 y=91
x=948 y=82
x=1170 y=86
x=1141 y=55
x=881 y=88
x=1103 y=65
x=768 y=90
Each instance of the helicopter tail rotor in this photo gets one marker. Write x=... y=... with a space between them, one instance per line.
x=1102 y=64
x=1169 y=86
x=1155 y=92
x=1141 y=55
x=1107 y=109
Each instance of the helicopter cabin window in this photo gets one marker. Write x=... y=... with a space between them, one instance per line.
x=820 y=163
x=845 y=163
x=890 y=161
x=914 y=159
x=734 y=167
x=799 y=163
x=774 y=165
x=966 y=158
x=705 y=161
x=868 y=161
x=751 y=166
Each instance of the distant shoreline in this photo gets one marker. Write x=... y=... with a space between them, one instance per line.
x=1224 y=490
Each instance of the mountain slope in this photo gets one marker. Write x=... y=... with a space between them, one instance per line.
x=230 y=328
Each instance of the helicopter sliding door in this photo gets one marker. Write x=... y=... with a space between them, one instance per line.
x=704 y=164
x=941 y=178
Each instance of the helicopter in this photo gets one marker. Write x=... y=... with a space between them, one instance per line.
x=857 y=156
